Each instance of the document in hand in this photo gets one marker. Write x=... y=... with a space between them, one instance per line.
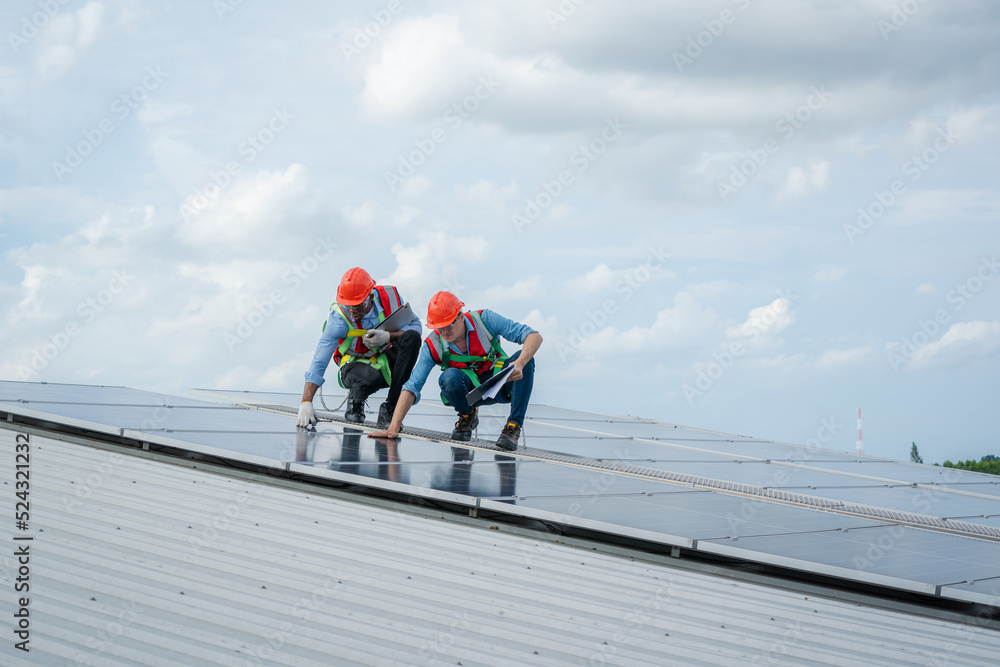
x=490 y=388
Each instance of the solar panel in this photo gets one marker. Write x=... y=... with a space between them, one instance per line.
x=782 y=504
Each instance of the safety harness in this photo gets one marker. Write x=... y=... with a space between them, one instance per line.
x=350 y=348
x=485 y=352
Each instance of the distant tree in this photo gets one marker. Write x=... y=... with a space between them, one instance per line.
x=988 y=458
x=991 y=467
x=915 y=455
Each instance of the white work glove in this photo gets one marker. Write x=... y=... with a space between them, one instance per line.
x=375 y=338
x=307 y=416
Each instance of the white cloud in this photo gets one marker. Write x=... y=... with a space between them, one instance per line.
x=415 y=186
x=834 y=359
x=597 y=279
x=800 y=182
x=154 y=111
x=272 y=378
x=522 y=290
x=89 y=18
x=803 y=365
x=255 y=213
x=962 y=342
x=424 y=268
x=924 y=288
x=376 y=217
x=764 y=321
x=686 y=323
x=66 y=37
x=938 y=205
x=973 y=124
x=830 y=275
x=602 y=278
x=420 y=60
x=361 y=216
x=536 y=320
x=233 y=277
x=712 y=289
x=487 y=192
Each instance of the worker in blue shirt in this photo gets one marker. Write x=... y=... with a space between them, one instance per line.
x=367 y=363
x=466 y=346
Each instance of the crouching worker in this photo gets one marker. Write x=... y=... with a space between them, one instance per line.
x=367 y=363
x=466 y=346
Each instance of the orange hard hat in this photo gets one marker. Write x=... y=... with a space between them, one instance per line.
x=443 y=309
x=354 y=287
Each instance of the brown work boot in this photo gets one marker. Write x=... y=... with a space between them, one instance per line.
x=465 y=425
x=509 y=436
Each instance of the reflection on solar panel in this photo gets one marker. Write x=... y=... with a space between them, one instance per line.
x=904 y=526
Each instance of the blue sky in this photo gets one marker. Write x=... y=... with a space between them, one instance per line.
x=745 y=215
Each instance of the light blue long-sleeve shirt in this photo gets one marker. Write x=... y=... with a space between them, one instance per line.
x=336 y=328
x=498 y=326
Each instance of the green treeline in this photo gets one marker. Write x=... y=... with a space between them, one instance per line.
x=989 y=464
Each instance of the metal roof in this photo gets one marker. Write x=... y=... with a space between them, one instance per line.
x=139 y=560
x=871 y=521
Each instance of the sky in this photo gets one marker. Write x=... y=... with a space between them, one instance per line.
x=749 y=216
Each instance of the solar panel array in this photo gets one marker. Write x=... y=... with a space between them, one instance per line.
x=906 y=526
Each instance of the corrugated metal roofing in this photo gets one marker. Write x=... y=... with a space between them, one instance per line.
x=618 y=477
x=142 y=561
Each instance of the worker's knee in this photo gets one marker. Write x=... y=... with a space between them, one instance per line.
x=362 y=378
x=408 y=339
x=452 y=381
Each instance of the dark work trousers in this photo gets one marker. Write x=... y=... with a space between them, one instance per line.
x=455 y=385
x=363 y=380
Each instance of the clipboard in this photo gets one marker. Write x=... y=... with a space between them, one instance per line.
x=401 y=316
x=490 y=388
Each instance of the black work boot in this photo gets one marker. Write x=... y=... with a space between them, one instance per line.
x=509 y=436
x=385 y=415
x=355 y=409
x=465 y=425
